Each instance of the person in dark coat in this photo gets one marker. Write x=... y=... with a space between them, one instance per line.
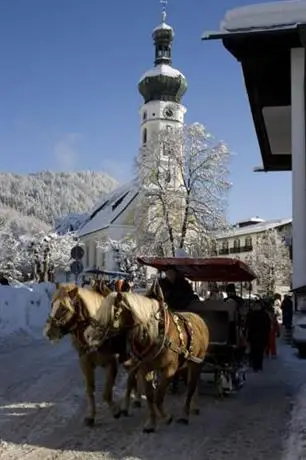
x=258 y=328
x=231 y=294
x=177 y=291
x=287 y=309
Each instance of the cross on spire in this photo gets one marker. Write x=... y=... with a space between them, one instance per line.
x=164 y=9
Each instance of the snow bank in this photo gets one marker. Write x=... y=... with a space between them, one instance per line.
x=265 y=16
x=24 y=309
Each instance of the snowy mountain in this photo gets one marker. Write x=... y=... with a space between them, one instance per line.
x=39 y=201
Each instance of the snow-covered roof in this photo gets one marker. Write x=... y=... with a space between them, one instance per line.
x=256 y=228
x=271 y=15
x=107 y=210
x=162 y=69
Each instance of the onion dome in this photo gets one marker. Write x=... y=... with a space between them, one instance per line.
x=163 y=82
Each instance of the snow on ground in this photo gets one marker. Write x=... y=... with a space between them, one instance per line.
x=24 y=309
x=295 y=444
x=42 y=407
x=42 y=403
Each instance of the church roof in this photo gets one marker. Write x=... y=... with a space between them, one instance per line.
x=107 y=211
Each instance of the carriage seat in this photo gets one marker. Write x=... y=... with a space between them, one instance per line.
x=218 y=315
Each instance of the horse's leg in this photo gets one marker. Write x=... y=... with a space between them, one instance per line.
x=150 y=424
x=194 y=402
x=165 y=379
x=137 y=392
x=194 y=371
x=111 y=374
x=130 y=385
x=88 y=370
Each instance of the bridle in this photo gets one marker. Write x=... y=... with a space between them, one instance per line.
x=73 y=323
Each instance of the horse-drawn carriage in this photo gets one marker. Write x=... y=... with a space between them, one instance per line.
x=226 y=358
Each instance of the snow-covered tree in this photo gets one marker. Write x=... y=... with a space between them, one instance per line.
x=37 y=256
x=270 y=260
x=48 y=253
x=183 y=176
x=10 y=256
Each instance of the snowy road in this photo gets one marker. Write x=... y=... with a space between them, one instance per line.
x=42 y=405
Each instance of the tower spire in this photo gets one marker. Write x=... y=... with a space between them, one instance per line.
x=164 y=10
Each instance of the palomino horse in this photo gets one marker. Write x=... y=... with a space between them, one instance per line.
x=71 y=311
x=162 y=342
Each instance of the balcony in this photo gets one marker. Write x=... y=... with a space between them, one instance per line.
x=235 y=250
x=248 y=248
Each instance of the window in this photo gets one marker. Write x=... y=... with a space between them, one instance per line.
x=87 y=256
x=144 y=136
x=144 y=116
x=94 y=248
x=248 y=242
x=119 y=201
x=102 y=260
x=225 y=245
x=237 y=244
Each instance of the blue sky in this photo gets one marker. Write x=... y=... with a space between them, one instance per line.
x=69 y=99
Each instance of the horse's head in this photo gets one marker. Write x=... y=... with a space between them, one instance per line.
x=112 y=319
x=65 y=312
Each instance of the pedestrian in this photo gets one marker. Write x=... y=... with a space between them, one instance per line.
x=287 y=309
x=257 y=331
x=273 y=334
x=277 y=308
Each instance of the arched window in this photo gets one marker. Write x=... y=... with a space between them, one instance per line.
x=144 y=116
x=144 y=136
x=248 y=242
x=237 y=245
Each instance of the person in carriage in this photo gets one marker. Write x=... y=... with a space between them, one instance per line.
x=177 y=291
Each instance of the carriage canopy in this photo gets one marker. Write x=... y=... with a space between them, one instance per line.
x=203 y=269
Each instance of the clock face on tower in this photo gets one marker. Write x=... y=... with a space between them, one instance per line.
x=168 y=111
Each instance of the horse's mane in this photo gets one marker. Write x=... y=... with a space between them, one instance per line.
x=143 y=310
x=91 y=300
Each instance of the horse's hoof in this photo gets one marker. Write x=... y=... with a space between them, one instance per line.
x=148 y=430
x=195 y=411
x=169 y=420
x=136 y=403
x=183 y=421
x=124 y=412
x=89 y=421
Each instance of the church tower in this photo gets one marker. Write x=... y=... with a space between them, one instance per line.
x=162 y=88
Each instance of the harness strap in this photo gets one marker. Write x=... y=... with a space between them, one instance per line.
x=182 y=349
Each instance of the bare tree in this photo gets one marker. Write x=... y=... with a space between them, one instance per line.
x=270 y=259
x=183 y=176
